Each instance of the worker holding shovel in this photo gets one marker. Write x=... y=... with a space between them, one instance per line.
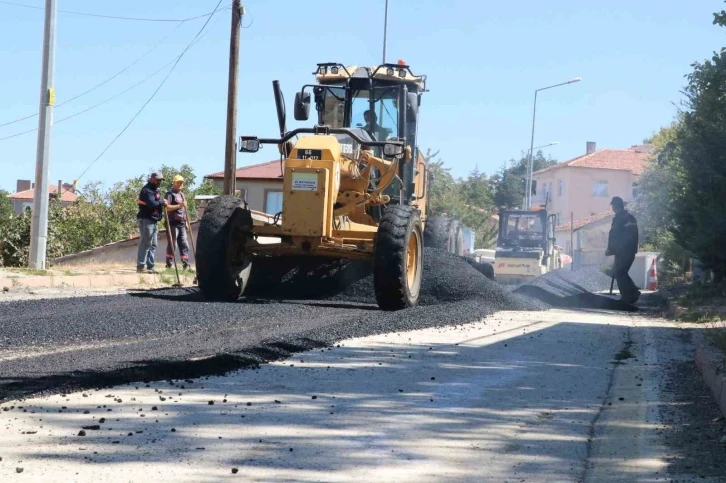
x=177 y=214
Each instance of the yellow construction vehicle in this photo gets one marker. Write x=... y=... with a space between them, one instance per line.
x=525 y=246
x=354 y=187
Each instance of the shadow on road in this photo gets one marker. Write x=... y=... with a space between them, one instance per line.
x=511 y=405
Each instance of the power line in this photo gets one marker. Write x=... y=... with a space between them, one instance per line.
x=152 y=95
x=115 y=17
x=175 y=59
x=98 y=85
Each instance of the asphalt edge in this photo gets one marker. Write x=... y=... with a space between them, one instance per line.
x=709 y=363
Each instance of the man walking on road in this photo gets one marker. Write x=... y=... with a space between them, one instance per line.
x=177 y=234
x=150 y=206
x=623 y=243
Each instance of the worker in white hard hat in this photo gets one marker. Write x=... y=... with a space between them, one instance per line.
x=176 y=209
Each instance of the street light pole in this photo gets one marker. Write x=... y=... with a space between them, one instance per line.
x=528 y=194
x=39 y=222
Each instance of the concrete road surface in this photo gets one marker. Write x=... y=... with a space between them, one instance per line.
x=553 y=396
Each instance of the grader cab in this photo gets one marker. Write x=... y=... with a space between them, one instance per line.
x=354 y=187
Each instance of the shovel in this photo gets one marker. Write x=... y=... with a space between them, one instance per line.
x=170 y=239
x=194 y=250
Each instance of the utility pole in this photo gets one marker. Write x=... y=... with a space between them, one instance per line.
x=39 y=223
x=230 y=151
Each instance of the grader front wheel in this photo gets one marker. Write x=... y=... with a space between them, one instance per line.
x=398 y=258
x=222 y=271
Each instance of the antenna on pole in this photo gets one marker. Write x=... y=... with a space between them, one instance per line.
x=385 y=31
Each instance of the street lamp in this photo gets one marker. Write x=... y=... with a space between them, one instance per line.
x=546 y=145
x=531 y=148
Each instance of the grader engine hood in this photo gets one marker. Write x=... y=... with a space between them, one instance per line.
x=311 y=182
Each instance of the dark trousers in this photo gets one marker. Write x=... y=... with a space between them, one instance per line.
x=177 y=233
x=628 y=290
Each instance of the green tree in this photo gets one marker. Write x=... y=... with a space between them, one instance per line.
x=508 y=185
x=468 y=200
x=97 y=217
x=653 y=207
x=6 y=206
x=699 y=176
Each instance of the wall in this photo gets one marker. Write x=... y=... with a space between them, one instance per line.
x=591 y=241
x=578 y=185
x=124 y=253
x=255 y=190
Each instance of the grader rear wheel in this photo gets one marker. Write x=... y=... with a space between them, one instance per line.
x=444 y=233
x=398 y=261
x=222 y=269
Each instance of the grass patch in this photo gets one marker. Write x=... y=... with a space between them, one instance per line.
x=624 y=354
x=30 y=271
x=700 y=294
x=700 y=317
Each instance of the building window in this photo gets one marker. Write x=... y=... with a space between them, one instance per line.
x=560 y=187
x=273 y=202
x=600 y=189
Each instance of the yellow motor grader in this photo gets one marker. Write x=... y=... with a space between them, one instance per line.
x=354 y=187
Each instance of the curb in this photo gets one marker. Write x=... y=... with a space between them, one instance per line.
x=89 y=281
x=708 y=363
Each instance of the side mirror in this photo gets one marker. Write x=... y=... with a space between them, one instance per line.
x=392 y=150
x=249 y=144
x=412 y=106
x=302 y=106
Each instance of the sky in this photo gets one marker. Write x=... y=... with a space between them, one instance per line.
x=483 y=59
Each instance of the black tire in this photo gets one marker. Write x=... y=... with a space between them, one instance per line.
x=396 y=272
x=444 y=233
x=487 y=270
x=437 y=234
x=457 y=237
x=221 y=273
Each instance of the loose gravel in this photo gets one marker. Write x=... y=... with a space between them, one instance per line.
x=154 y=334
x=48 y=345
x=574 y=289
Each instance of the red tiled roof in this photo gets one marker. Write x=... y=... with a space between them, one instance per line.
x=67 y=195
x=634 y=159
x=585 y=221
x=269 y=170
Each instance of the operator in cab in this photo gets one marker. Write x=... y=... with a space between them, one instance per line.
x=623 y=243
x=377 y=132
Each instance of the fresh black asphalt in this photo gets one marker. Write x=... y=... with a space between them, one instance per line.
x=61 y=344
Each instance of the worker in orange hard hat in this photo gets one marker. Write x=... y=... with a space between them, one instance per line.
x=176 y=208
